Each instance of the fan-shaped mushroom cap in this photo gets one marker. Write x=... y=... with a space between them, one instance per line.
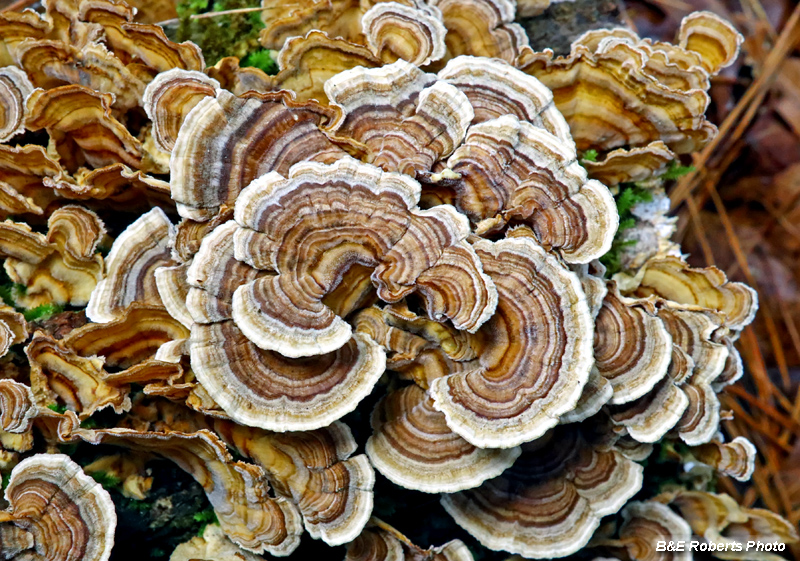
x=238 y=492
x=120 y=187
x=62 y=267
x=271 y=132
x=617 y=90
x=83 y=116
x=413 y=32
x=406 y=118
x=627 y=166
x=135 y=41
x=15 y=87
x=495 y=89
x=714 y=39
x=719 y=519
x=263 y=388
x=136 y=254
x=22 y=171
x=413 y=447
x=66 y=513
x=632 y=347
x=596 y=393
x=381 y=542
x=736 y=458
x=17 y=407
x=645 y=524
x=16 y=27
x=511 y=169
x=650 y=417
x=332 y=490
x=413 y=250
x=170 y=97
x=537 y=351
x=56 y=63
x=673 y=279
x=173 y=290
x=306 y=63
x=13 y=328
x=552 y=499
x=79 y=382
x=129 y=340
x=482 y=28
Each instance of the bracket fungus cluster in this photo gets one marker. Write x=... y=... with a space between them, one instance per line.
x=383 y=258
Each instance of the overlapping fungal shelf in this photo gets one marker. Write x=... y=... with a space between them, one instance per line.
x=400 y=211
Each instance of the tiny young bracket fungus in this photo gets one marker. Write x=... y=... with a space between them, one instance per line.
x=67 y=515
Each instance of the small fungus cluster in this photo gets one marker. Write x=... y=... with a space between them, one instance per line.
x=398 y=217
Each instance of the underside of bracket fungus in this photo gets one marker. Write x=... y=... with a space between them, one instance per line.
x=617 y=90
x=56 y=512
x=552 y=499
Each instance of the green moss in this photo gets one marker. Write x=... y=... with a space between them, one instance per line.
x=6 y=478
x=43 y=312
x=204 y=518
x=261 y=59
x=676 y=170
x=589 y=156
x=628 y=197
x=139 y=506
x=107 y=480
x=89 y=424
x=57 y=407
x=222 y=36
